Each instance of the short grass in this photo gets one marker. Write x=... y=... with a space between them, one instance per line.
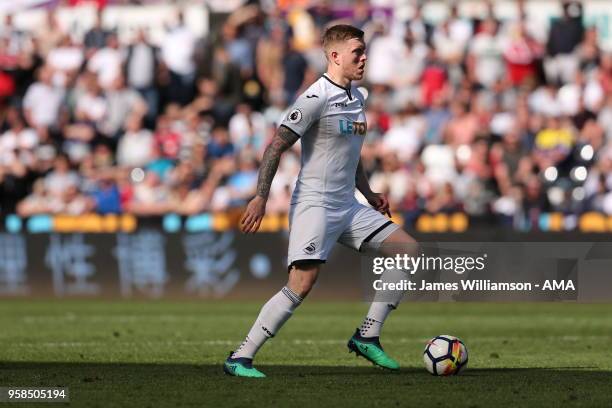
x=169 y=354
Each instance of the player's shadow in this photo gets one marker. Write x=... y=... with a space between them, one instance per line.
x=104 y=385
x=39 y=373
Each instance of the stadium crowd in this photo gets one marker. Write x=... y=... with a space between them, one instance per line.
x=499 y=119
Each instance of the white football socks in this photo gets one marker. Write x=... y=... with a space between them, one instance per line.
x=375 y=318
x=384 y=302
x=271 y=318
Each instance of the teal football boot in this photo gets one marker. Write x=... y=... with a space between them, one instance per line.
x=370 y=349
x=241 y=367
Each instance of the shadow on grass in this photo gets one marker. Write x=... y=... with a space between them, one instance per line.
x=9 y=369
x=172 y=385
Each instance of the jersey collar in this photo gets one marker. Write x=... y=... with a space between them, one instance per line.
x=347 y=90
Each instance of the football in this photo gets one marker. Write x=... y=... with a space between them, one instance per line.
x=445 y=355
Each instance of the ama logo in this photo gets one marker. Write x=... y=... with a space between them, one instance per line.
x=352 y=128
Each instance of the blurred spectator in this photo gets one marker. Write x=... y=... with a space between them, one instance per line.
x=247 y=129
x=436 y=117
x=220 y=145
x=7 y=87
x=242 y=184
x=443 y=200
x=123 y=103
x=522 y=54
x=605 y=117
x=463 y=125
x=405 y=135
x=439 y=164
x=565 y=34
x=167 y=139
x=106 y=62
x=605 y=73
x=140 y=71
x=361 y=14
x=486 y=50
x=49 y=34
x=239 y=49
x=383 y=48
x=106 y=196
x=407 y=71
x=460 y=28
x=136 y=146
x=16 y=39
x=177 y=52
x=38 y=202
x=61 y=178
x=269 y=58
x=420 y=29
x=18 y=141
x=553 y=143
x=42 y=102
x=589 y=52
x=535 y=201
x=225 y=87
x=150 y=197
x=96 y=37
x=295 y=71
x=73 y=202
x=434 y=78
x=14 y=184
x=501 y=118
x=322 y=13
x=65 y=60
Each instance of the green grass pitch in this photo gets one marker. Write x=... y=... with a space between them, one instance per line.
x=169 y=354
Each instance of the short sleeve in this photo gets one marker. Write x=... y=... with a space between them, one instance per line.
x=306 y=110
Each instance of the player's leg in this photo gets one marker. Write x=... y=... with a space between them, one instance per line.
x=384 y=302
x=366 y=340
x=311 y=238
x=370 y=230
x=302 y=277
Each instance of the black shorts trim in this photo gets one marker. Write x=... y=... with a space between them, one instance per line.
x=292 y=131
x=305 y=261
x=373 y=234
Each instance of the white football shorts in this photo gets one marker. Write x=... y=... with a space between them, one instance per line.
x=313 y=229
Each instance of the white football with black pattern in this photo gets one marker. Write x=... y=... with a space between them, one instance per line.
x=445 y=355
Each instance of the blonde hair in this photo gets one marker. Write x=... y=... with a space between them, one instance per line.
x=339 y=33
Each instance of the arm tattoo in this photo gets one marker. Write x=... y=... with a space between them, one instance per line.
x=283 y=140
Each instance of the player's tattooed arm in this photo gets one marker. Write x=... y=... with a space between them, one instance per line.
x=282 y=141
x=253 y=215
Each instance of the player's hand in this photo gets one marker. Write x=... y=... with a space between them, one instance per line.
x=254 y=213
x=379 y=202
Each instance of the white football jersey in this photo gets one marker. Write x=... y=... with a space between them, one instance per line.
x=331 y=123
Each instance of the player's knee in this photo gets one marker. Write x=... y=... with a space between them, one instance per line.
x=399 y=242
x=302 y=277
x=399 y=236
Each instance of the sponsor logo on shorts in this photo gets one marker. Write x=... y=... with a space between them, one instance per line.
x=310 y=248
